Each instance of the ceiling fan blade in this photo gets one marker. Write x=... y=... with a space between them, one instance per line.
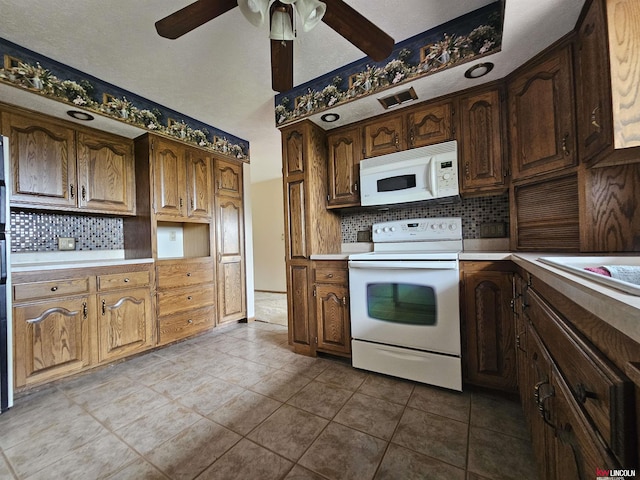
x=358 y=30
x=281 y=65
x=192 y=16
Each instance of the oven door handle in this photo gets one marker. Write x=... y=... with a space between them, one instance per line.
x=405 y=265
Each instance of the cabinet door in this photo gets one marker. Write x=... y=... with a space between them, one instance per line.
x=124 y=323
x=294 y=197
x=385 y=135
x=51 y=339
x=293 y=153
x=332 y=318
x=231 y=284
x=345 y=152
x=593 y=85
x=106 y=173
x=541 y=118
x=480 y=146
x=43 y=162
x=199 y=198
x=228 y=179
x=430 y=124
x=491 y=356
x=298 y=290
x=169 y=178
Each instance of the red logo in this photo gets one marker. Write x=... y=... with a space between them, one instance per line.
x=602 y=473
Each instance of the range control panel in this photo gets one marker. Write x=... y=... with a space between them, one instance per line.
x=419 y=229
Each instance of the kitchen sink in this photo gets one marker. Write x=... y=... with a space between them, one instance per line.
x=577 y=264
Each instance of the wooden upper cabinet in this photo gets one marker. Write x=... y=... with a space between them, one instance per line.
x=228 y=178
x=54 y=166
x=345 y=153
x=293 y=147
x=198 y=178
x=430 y=124
x=541 y=117
x=105 y=173
x=384 y=135
x=43 y=161
x=169 y=178
x=609 y=106
x=480 y=142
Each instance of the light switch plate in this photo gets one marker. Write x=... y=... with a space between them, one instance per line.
x=66 y=243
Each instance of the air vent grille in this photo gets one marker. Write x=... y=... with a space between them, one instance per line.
x=398 y=98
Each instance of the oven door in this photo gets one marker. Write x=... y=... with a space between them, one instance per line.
x=412 y=304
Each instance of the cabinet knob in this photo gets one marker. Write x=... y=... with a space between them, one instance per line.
x=189 y=321
x=126 y=280
x=188 y=274
x=54 y=289
x=565 y=147
x=594 y=118
x=71 y=192
x=582 y=393
x=189 y=297
x=84 y=193
x=329 y=275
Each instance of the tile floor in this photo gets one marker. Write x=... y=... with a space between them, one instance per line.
x=236 y=403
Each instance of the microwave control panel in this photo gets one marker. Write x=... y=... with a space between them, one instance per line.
x=447 y=177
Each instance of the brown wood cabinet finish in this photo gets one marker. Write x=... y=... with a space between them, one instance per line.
x=106 y=175
x=345 y=153
x=541 y=118
x=385 y=134
x=228 y=178
x=199 y=179
x=482 y=166
x=55 y=165
x=608 y=106
x=301 y=330
x=490 y=358
x=331 y=298
x=51 y=339
x=430 y=123
x=230 y=252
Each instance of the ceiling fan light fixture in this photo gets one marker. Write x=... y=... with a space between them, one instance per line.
x=254 y=10
x=311 y=13
x=281 y=28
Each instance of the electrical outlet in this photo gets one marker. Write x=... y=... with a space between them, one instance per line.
x=172 y=236
x=66 y=243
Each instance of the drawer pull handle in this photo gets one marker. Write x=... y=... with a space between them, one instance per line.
x=189 y=297
x=188 y=274
x=582 y=393
x=54 y=289
x=189 y=321
x=126 y=280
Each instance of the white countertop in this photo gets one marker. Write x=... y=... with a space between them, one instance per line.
x=37 y=261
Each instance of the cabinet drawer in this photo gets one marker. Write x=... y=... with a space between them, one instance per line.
x=184 y=273
x=173 y=301
x=66 y=287
x=330 y=272
x=123 y=280
x=185 y=324
x=599 y=388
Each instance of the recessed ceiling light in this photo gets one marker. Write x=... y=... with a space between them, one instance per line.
x=78 y=115
x=330 y=117
x=479 y=70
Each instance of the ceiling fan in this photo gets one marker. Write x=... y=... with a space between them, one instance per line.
x=335 y=13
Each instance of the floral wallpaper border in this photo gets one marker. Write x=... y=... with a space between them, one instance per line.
x=469 y=37
x=26 y=69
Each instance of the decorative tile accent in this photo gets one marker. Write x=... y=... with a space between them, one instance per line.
x=473 y=211
x=39 y=231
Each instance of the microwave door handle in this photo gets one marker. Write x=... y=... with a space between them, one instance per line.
x=431 y=177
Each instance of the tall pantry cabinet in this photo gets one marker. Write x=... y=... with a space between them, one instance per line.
x=309 y=227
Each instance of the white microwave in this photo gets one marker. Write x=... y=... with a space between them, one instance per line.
x=413 y=175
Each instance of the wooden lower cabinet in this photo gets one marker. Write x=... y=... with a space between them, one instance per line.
x=51 y=339
x=489 y=354
x=578 y=405
x=301 y=334
x=186 y=298
x=331 y=298
x=124 y=323
x=66 y=321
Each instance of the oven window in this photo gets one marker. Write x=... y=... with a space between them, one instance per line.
x=402 y=303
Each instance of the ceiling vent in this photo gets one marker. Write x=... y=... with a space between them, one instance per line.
x=398 y=98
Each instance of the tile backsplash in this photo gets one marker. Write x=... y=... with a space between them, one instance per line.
x=473 y=211
x=39 y=231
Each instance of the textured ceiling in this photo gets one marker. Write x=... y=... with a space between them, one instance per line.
x=220 y=73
